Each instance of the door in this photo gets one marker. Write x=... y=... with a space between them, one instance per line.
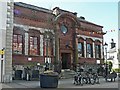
x=66 y=60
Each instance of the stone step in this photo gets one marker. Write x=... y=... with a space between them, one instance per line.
x=67 y=73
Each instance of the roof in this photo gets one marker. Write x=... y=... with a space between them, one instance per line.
x=21 y=4
x=83 y=20
x=61 y=10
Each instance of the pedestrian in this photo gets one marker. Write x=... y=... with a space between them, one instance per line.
x=46 y=66
x=59 y=66
x=114 y=75
x=28 y=73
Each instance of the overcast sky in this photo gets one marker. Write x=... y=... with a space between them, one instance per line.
x=104 y=12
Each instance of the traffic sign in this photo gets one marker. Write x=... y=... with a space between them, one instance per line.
x=2 y=52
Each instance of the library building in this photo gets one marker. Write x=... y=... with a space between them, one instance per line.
x=43 y=36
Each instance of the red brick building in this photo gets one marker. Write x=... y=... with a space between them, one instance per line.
x=80 y=41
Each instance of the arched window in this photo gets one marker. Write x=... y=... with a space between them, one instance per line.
x=33 y=45
x=17 y=44
x=80 y=49
x=97 y=49
x=34 y=42
x=18 y=40
x=89 y=50
x=48 y=44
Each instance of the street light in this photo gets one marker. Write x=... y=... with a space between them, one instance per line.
x=106 y=67
x=56 y=13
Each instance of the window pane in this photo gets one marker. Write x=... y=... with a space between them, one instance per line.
x=19 y=38
x=48 y=47
x=15 y=47
x=79 y=47
x=15 y=38
x=98 y=51
x=19 y=48
x=31 y=39
x=17 y=44
x=35 y=40
x=89 y=50
x=33 y=46
x=80 y=50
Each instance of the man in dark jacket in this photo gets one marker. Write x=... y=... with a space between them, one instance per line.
x=46 y=66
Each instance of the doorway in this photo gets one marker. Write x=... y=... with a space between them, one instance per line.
x=66 y=60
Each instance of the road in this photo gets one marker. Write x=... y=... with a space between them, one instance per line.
x=63 y=83
x=103 y=84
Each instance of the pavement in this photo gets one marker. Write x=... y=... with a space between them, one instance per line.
x=63 y=83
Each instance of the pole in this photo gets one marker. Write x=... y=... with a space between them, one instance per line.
x=56 y=48
x=106 y=63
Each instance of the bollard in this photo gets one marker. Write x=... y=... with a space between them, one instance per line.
x=27 y=77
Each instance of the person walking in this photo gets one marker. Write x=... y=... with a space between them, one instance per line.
x=59 y=66
x=46 y=66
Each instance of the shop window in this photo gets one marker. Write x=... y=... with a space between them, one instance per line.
x=17 y=44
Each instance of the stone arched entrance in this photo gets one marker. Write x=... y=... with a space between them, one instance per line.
x=66 y=41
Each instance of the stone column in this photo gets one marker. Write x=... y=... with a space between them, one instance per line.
x=93 y=50
x=75 y=45
x=26 y=43
x=101 y=48
x=41 y=45
x=85 y=49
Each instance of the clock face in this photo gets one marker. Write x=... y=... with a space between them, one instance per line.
x=64 y=29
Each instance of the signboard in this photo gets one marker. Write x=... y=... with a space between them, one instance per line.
x=2 y=52
x=98 y=61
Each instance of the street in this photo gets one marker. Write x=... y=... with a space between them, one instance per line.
x=63 y=83
x=103 y=84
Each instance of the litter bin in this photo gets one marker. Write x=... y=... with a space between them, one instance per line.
x=18 y=74
x=48 y=81
x=35 y=75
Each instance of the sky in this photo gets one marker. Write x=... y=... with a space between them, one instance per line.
x=103 y=12
x=119 y=25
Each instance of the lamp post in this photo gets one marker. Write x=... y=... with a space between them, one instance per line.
x=106 y=67
x=56 y=13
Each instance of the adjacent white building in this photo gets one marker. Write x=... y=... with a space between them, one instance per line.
x=6 y=30
x=112 y=55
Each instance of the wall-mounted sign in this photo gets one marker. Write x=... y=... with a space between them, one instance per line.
x=2 y=52
x=29 y=59
x=98 y=61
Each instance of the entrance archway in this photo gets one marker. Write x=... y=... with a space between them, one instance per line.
x=66 y=60
x=66 y=39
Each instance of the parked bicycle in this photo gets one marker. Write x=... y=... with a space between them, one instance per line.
x=82 y=78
